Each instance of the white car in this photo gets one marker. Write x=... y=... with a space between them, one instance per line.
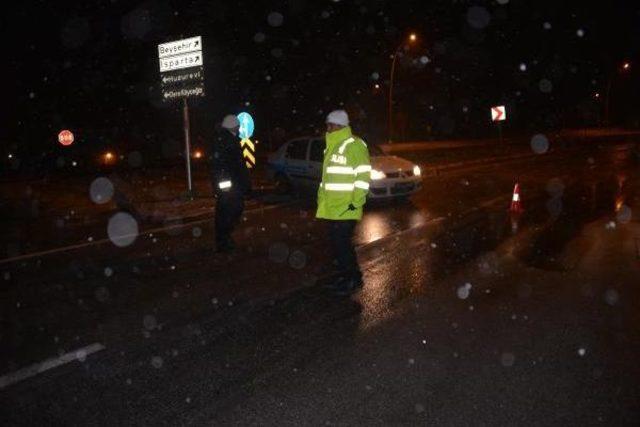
x=297 y=165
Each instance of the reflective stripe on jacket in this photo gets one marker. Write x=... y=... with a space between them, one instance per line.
x=346 y=173
x=228 y=171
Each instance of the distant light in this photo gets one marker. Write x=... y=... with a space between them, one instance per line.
x=597 y=95
x=109 y=157
x=626 y=66
x=619 y=203
x=377 y=86
x=74 y=163
x=413 y=37
x=417 y=171
x=10 y=156
x=523 y=67
x=197 y=154
x=580 y=32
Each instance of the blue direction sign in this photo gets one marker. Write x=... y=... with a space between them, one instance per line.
x=246 y=125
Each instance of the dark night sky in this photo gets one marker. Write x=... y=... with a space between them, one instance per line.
x=92 y=66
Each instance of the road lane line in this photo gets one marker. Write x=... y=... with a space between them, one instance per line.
x=107 y=240
x=38 y=368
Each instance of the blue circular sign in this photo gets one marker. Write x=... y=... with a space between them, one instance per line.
x=246 y=125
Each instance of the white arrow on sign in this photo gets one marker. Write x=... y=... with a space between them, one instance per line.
x=180 y=47
x=188 y=60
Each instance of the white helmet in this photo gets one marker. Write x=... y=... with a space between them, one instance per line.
x=230 y=122
x=338 y=117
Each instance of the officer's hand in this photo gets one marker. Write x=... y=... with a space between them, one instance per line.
x=351 y=207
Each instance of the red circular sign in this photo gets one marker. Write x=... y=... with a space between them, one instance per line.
x=65 y=137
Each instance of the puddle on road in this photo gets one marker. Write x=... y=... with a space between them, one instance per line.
x=579 y=204
x=385 y=219
x=424 y=256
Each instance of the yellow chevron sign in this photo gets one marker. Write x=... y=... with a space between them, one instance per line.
x=247 y=142
x=248 y=152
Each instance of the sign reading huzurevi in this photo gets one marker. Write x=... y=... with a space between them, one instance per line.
x=182 y=76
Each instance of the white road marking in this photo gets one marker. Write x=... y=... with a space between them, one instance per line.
x=38 y=368
x=107 y=240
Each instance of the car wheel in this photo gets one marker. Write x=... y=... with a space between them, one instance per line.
x=283 y=185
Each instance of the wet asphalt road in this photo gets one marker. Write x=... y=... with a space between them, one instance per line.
x=469 y=316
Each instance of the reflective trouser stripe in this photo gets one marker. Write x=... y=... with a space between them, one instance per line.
x=363 y=185
x=224 y=185
x=340 y=170
x=338 y=187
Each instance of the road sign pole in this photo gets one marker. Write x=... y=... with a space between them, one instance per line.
x=500 y=132
x=187 y=146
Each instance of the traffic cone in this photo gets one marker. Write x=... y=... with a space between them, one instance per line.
x=516 y=204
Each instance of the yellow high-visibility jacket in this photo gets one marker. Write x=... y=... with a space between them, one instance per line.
x=346 y=173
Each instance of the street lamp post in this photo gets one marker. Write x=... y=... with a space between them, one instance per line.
x=412 y=38
x=625 y=67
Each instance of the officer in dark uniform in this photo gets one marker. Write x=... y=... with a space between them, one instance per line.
x=230 y=181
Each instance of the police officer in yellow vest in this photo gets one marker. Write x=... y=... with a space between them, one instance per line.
x=346 y=173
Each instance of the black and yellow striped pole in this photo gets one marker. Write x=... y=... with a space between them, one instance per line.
x=248 y=152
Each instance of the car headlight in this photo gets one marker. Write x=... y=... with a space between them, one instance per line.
x=417 y=171
x=377 y=174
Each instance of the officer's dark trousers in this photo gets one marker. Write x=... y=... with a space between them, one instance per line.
x=229 y=208
x=341 y=238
